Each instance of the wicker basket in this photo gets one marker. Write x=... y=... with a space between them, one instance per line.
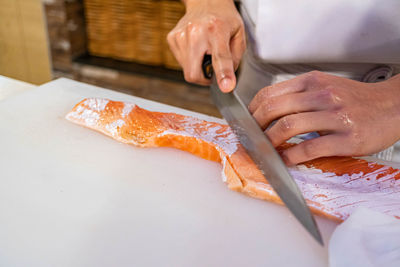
x=148 y=38
x=132 y=30
x=171 y=12
x=124 y=29
x=99 y=32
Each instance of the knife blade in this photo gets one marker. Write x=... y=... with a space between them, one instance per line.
x=264 y=155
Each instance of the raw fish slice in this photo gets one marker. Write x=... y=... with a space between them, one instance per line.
x=333 y=187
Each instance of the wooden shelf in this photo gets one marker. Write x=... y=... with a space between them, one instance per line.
x=132 y=67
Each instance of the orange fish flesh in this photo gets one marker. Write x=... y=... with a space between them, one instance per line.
x=333 y=187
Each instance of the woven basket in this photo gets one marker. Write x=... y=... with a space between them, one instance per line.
x=132 y=30
x=148 y=38
x=124 y=28
x=98 y=20
x=171 y=12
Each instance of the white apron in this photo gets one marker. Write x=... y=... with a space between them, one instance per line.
x=334 y=31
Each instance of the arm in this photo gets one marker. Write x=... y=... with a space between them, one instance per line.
x=353 y=118
x=209 y=27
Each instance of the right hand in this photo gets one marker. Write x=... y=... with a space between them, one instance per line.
x=209 y=27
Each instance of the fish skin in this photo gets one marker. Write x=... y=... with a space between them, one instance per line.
x=333 y=187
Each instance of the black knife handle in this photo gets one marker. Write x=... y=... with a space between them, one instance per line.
x=206 y=66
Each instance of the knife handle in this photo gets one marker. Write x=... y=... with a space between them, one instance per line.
x=206 y=66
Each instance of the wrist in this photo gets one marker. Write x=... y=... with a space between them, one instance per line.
x=189 y=4
x=395 y=80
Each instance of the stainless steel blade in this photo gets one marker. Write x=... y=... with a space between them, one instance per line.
x=264 y=156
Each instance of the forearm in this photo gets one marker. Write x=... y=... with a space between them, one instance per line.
x=396 y=81
x=394 y=86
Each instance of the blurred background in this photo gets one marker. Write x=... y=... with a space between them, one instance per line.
x=120 y=45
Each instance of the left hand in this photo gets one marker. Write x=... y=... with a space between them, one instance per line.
x=353 y=118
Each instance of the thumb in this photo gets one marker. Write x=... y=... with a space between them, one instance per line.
x=223 y=64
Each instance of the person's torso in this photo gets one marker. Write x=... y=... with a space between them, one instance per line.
x=325 y=31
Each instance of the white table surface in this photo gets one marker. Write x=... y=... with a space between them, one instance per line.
x=10 y=87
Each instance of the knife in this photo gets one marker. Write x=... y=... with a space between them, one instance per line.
x=261 y=151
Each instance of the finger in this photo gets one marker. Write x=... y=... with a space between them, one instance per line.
x=279 y=106
x=173 y=45
x=197 y=46
x=238 y=46
x=222 y=62
x=291 y=86
x=193 y=72
x=301 y=123
x=324 y=146
x=177 y=41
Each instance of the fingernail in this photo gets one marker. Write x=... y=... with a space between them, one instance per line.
x=226 y=85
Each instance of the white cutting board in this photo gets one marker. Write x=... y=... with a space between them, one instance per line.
x=70 y=196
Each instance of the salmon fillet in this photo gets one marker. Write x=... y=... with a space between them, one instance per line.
x=333 y=187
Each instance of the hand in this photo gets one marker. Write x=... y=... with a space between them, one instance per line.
x=353 y=118
x=209 y=27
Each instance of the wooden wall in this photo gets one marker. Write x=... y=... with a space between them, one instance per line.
x=24 y=53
